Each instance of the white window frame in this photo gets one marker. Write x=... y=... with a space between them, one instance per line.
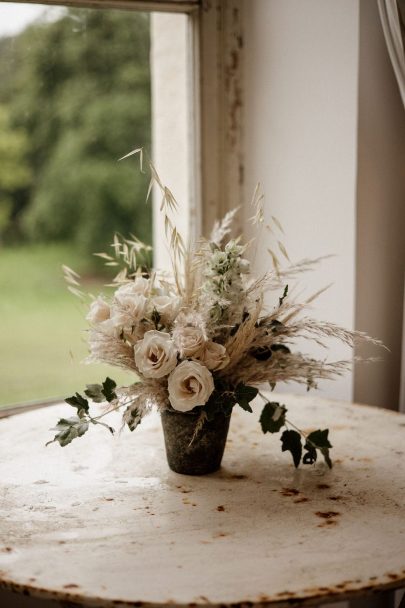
x=219 y=70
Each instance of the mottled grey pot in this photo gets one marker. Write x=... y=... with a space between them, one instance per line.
x=205 y=453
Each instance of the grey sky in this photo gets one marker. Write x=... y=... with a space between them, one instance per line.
x=14 y=17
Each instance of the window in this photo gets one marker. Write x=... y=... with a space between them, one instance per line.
x=196 y=147
x=75 y=95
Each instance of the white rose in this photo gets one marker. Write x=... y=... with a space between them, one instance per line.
x=114 y=326
x=142 y=285
x=155 y=355
x=99 y=311
x=132 y=306
x=190 y=341
x=214 y=356
x=190 y=384
x=166 y=306
x=139 y=286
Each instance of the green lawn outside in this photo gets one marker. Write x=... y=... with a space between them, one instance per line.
x=42 y=326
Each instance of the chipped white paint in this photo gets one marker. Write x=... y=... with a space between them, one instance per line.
x=219 y=67
x=104 y=520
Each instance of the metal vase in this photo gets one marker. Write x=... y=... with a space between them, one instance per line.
x=197 y=456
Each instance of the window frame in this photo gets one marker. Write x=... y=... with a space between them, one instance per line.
x=215 y=66
x=180 y=6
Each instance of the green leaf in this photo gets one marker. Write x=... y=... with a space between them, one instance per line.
x=245 y=405
x=78 y=402
x=68 y=429
x=272 y=417
x=66 y=422
x=108 y=389
x=95 y=392
x=221 y=401
x=101 y=392
x=262 y=353
x=280 y=348
x=327 y=458
x=310 y=455
x=291 y=441
x=82 y=428
x=132 y=417
x=319 y=440
x=244 y=394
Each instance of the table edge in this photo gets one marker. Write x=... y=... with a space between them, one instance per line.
x=282 y=600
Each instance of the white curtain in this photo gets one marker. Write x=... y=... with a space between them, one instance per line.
x=392 y=14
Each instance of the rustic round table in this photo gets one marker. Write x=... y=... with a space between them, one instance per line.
x=104 y=522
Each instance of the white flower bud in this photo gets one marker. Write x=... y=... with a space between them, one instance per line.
x=214 y=356
x=99 y=311
x=190 y=341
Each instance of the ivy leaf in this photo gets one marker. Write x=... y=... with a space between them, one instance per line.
x=101 y=392
x=310 y=455
x=221 y=401
x=80 y=403
x=66 y=422
x=108 y=389
x=262 y=353
x=68 y=429
x=291 y=441
x=95 y=392
x=132 y=417
x=244 y=394
x=319 y=440
x=280 y=348
x=272 y=417
x=325 y=454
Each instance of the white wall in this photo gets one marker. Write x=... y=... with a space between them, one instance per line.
x=301 y=74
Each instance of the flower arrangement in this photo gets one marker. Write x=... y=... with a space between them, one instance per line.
x=201 y=340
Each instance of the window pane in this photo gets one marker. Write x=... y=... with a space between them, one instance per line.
x=74 y=97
